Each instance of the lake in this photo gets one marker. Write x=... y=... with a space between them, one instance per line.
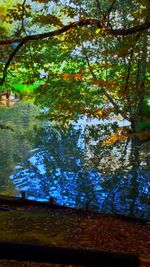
x=74 y=165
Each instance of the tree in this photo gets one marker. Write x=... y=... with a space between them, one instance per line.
x=93 y=58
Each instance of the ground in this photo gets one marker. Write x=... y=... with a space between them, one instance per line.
x=71 y=228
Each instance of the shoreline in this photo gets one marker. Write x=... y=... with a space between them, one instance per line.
x=50 y=225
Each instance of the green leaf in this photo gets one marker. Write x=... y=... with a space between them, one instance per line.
x=98 y=31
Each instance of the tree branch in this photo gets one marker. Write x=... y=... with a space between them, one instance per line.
x=23 y=14
x=129 y=71
x=9 y=61
x=82 y=22
x=99 y=7
x=111 y=7
x=107 y=14
x=103 y=90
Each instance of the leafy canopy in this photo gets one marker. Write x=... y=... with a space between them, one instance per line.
x=81 y=54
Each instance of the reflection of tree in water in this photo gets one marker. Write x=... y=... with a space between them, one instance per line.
x=56 y=169
x=15 y=139
x=125 y=166
x=72 y=167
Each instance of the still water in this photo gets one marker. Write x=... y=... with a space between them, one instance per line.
x=71 y=164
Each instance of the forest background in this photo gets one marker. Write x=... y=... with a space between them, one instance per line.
x=78 y=57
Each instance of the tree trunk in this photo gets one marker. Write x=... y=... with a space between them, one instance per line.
x=138 y=116
x=142 y=76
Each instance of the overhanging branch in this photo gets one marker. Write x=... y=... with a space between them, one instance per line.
x=82 y=22
x=9 y=61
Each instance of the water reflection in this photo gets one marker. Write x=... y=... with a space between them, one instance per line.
x=74 y=168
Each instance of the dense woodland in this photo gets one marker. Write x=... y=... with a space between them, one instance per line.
x=78 y=57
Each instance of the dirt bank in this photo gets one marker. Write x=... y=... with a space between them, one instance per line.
x=73 y=229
